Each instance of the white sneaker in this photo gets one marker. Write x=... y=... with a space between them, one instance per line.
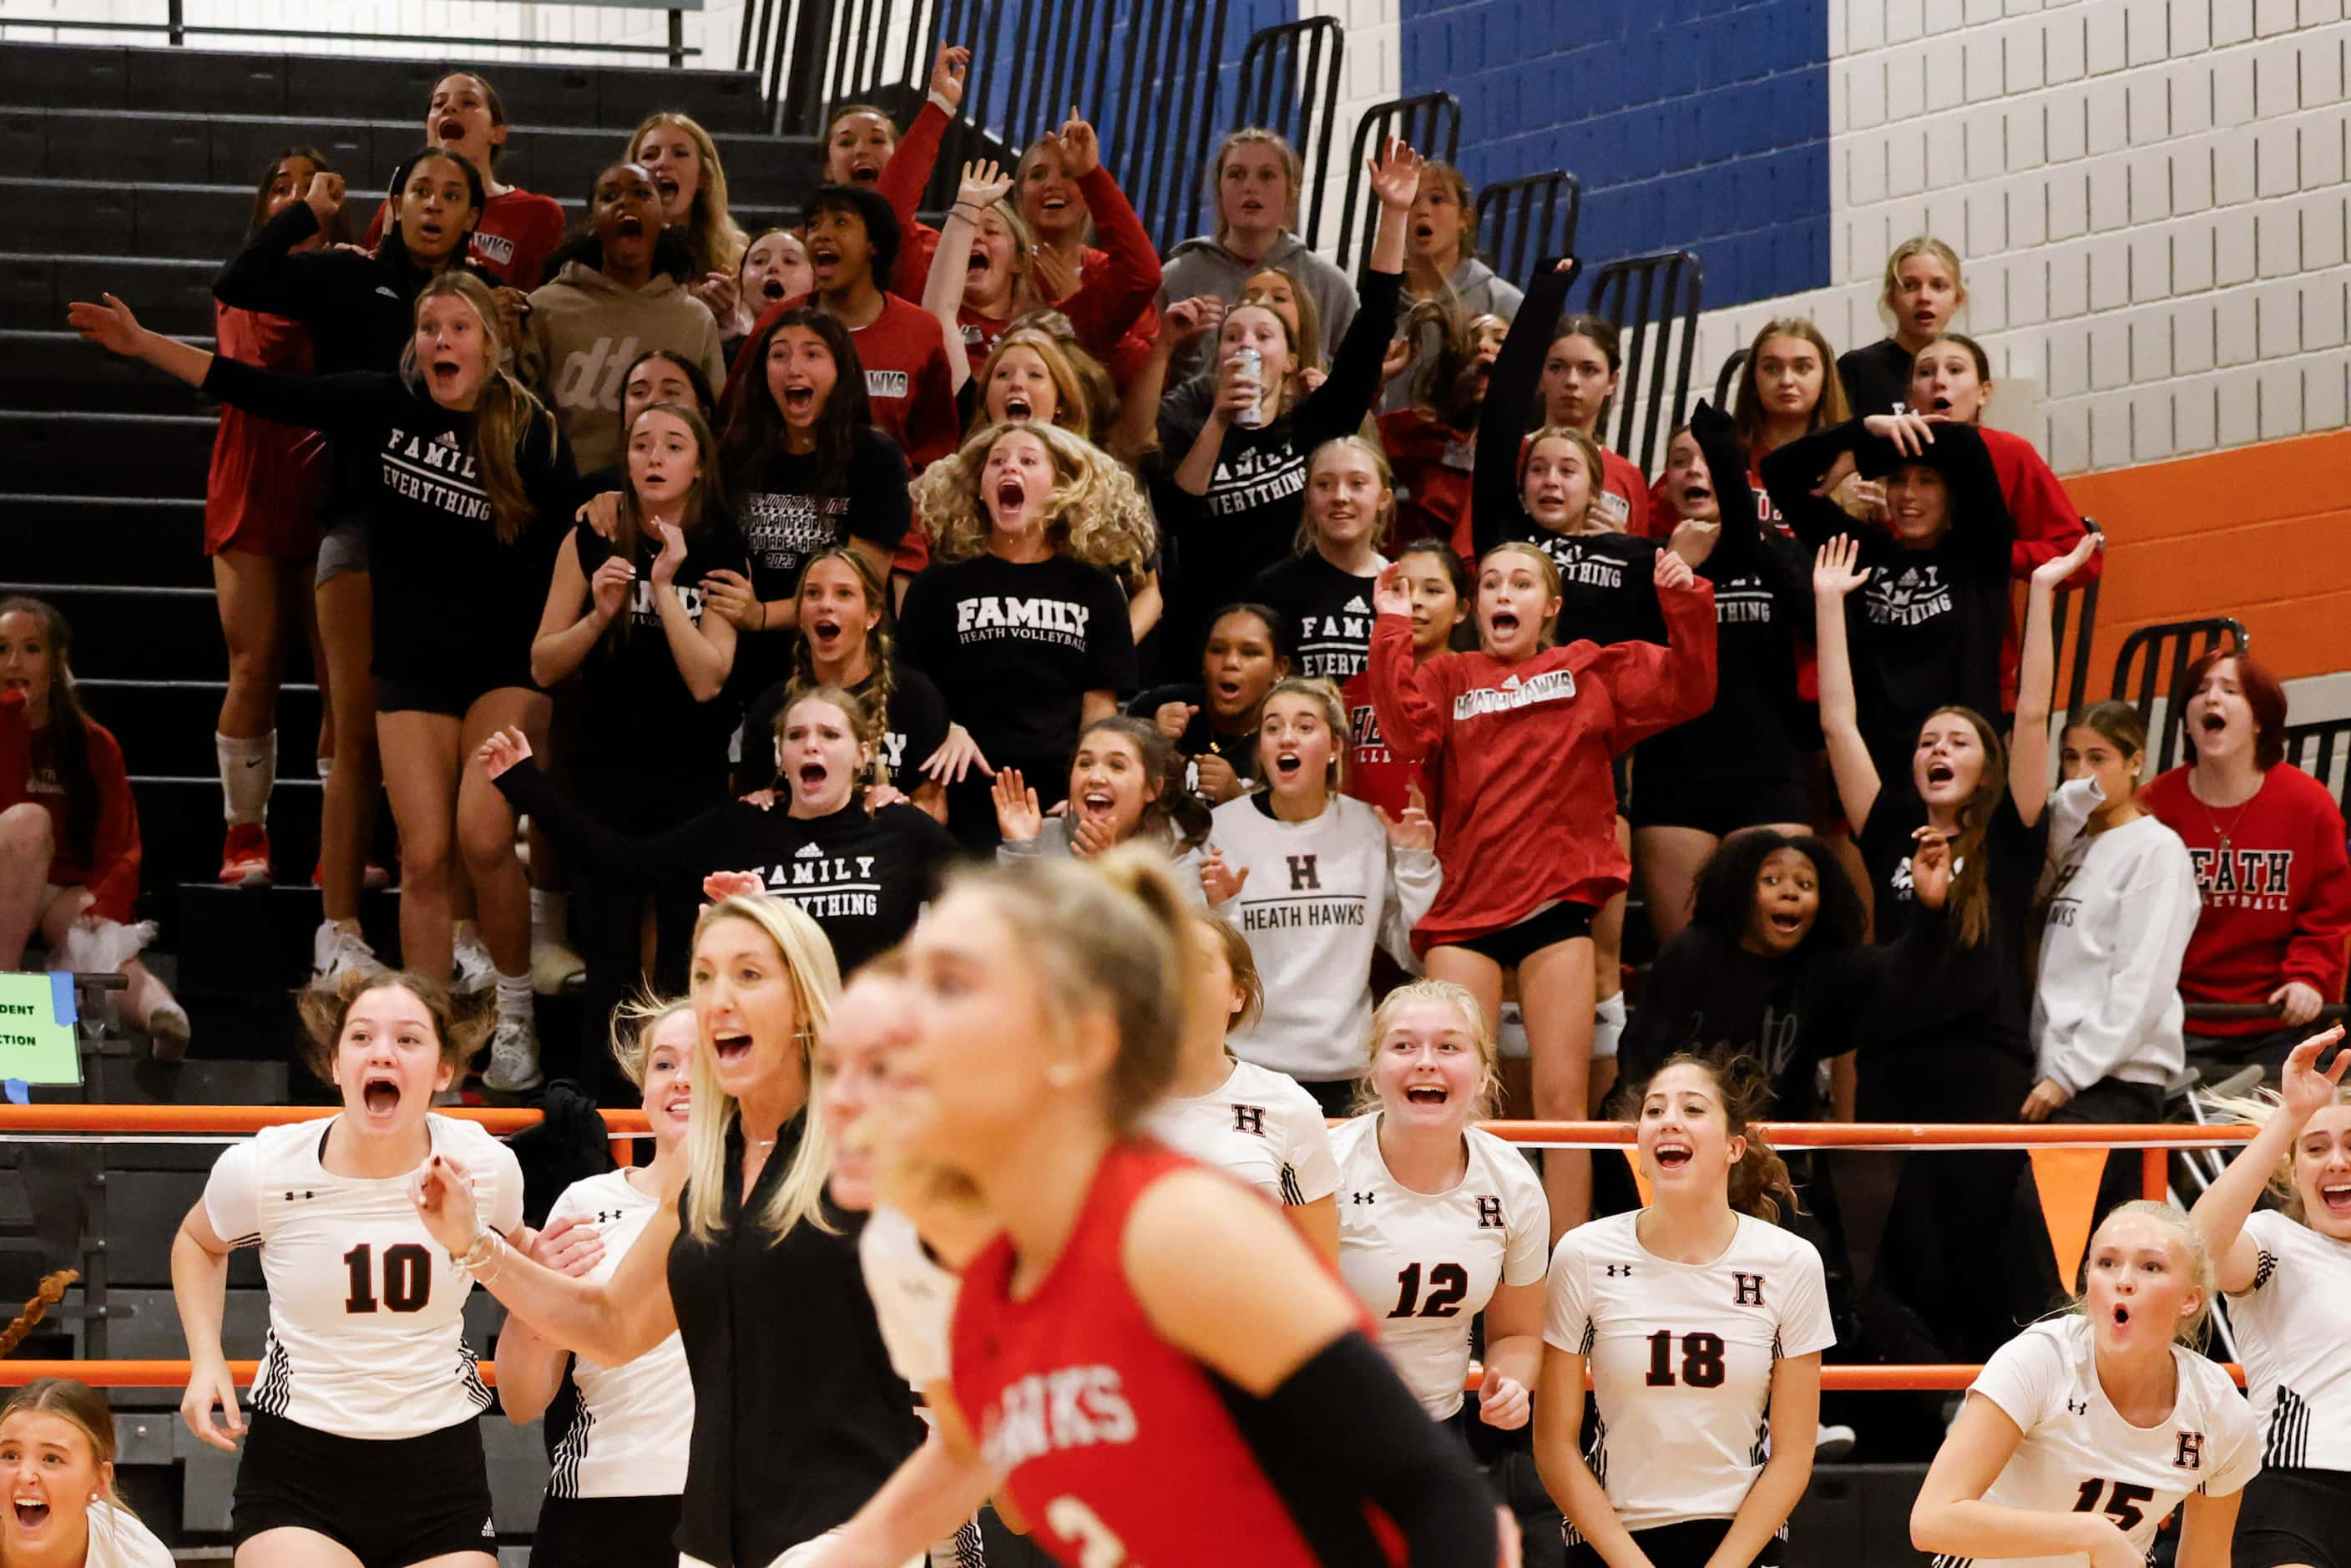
x=475 y=971
x=1832 y=1442
x=514 y=1059
x=337 y=950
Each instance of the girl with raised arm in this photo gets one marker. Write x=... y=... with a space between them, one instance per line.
x=2285 y=1271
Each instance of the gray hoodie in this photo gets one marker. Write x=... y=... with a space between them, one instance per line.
x=1203 y=266
x=1474 y=289
x=583 y=332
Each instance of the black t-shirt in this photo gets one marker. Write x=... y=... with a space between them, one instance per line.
x=1876 y=376
x=791 y=1378
x=915 y=726
x=1935 y=991
x=1757 y=730
x=789 y=513
x=1248 y=518
x=861 y=879
x=1706 y=993
x=638 y=704
x=1201 y=736
x=1327 y=613
x=1015 y=647
x=455 y=606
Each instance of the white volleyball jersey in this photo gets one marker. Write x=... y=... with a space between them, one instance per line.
x=119 y=1540
x=367 y=1334
x=1259 y=1125
x=1425 y=1263
x=628 y=1437
x=1682 y=1356
x=2079 y=1456
x=2289 y=1329
x=913 y=1296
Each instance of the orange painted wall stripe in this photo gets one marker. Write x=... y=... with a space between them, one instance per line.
x=2263 y=533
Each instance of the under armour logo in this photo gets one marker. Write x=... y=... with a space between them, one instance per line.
x=1489 y=1212
x=1620 y=1271
x=1751 y=1289
x=1303 y=875
x=1249 y=1119
x=2190 y=1453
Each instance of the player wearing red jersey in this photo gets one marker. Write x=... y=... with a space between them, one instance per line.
x=1135 y=1406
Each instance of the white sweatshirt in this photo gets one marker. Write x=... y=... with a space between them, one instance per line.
x=1318 y=897
x=2122 y=906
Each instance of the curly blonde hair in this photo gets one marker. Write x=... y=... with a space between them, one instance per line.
x=1099 y=517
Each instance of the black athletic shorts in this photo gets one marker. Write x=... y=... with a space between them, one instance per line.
x=1690 y=1545
x=1717 y=806
x=388 y=1501
x=2295 y=1516
x=606 y=1532
x=1513 y=944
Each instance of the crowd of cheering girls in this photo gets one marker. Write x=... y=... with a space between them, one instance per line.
x=1272 y=688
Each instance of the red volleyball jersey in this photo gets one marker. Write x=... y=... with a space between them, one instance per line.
x=1121 y=1449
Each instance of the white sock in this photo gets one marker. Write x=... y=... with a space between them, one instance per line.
x=1607 y=1026
x=548 y=915
x=513 y=998
x=248 y=768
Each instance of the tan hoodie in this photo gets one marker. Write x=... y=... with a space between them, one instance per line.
x=584 y=334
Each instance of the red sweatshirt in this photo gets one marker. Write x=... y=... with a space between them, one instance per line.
x=1432 y=463
x=29 y=772
x=901 y=183
x=2277 y=906
x=1522 y=753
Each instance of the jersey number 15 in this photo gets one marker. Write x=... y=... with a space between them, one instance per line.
x=407 y=1278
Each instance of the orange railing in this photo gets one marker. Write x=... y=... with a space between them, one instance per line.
x=2156 y=1143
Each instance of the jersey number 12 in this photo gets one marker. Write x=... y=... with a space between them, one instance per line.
x=407 y=1278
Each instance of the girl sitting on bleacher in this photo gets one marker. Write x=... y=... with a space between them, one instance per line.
x=68 y=826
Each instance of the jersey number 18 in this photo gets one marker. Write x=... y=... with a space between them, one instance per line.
x=407 y=1278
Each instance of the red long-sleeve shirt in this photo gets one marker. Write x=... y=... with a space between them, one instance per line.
x=2277 y=905
x=1522 y=754
x=900 y=184
x=108 y=862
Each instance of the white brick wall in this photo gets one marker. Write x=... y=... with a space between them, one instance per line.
x=2149 y=196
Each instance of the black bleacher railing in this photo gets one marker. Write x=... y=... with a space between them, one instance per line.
x=1522 y=221
x=1289 y=82
x=2153 y=663
x=1652 y=301
x=1030 y=65
x=177 y=29
x=1429 y=121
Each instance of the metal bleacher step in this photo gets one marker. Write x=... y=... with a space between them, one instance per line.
x=170 y=295
x=313 y=87
x=232 y=150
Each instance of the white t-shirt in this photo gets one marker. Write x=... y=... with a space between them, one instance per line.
x=2078 y=1454
x=1682 y=1356
x=1259 y=1125
x=366 y=1331
x=913 y=1296
x=628 y=1436
x=2289 y=1329
x=1424 y=1263
x=117 y=1540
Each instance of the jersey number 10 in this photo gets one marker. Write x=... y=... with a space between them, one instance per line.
x=407 y=1278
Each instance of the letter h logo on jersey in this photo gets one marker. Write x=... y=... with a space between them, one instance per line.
x=1249 y=1119
x=1489 y=1212
x=2190 y=1454
x=1750 y=1289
